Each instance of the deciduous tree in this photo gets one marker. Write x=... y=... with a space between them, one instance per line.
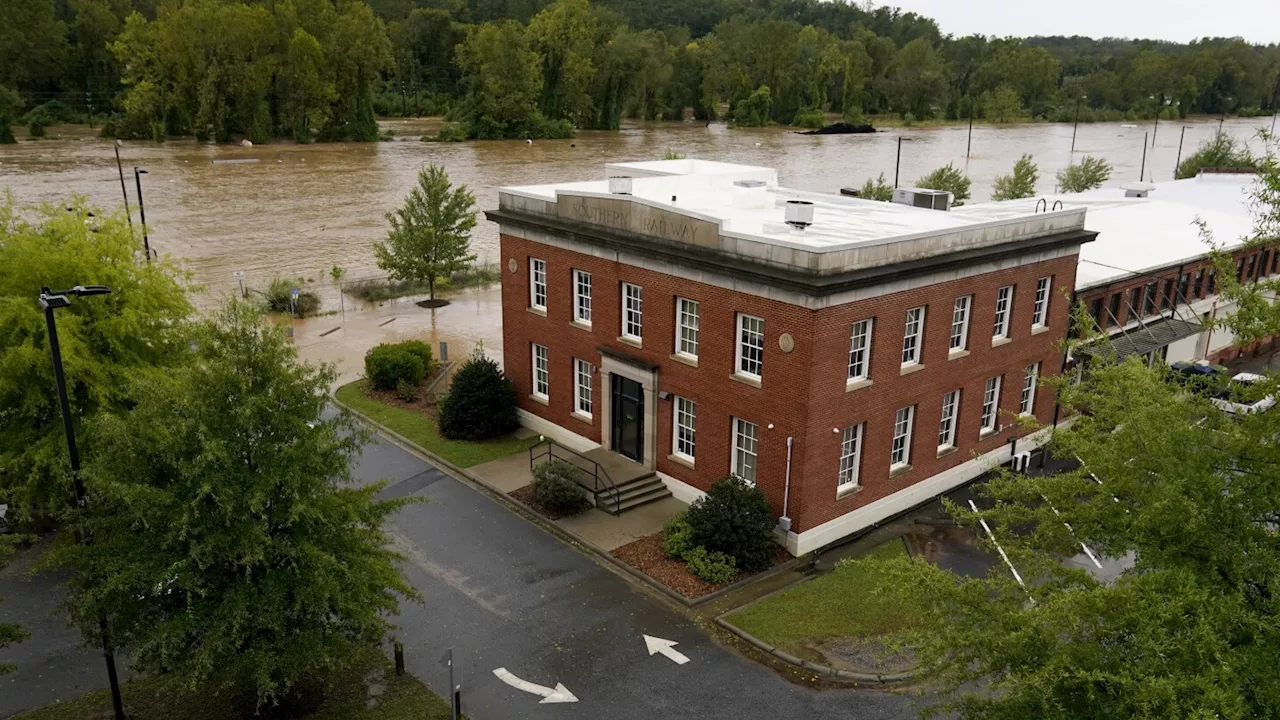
x=1020 y=184
x=949 y=178
x=1087 y=174
x=430 y=235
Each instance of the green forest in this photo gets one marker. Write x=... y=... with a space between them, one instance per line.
x=325 y=69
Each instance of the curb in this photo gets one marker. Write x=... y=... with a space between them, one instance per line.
x=529 y=513
x=823 y=670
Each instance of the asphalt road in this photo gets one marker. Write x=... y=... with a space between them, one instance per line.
x=505 y=594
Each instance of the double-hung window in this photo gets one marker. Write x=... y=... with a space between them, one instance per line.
x=1114 y=312
x=1029 y=379
x=947 y=426
x=1135 y=304
x=960 y=323
x=632 y=311
x=990 y=404
x=541 y=371
x=1149 y=304
x=687 y=327
x=850 y=459
x=750 y=360
x=745 y=436
x=1199 y=288
x=900 y=450
x=582 y=372
x=538 y=284
x=860 y=350
x=683 y=442
x=1040 y=315
x=912 y=335
x=1004 y=307
x=582 y=297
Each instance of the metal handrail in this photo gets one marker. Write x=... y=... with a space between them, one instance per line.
x=599 y=475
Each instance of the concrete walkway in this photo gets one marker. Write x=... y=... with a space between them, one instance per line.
x=605 y=531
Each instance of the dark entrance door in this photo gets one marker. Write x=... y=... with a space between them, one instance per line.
x=628 y=417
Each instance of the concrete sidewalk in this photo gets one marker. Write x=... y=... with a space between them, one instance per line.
x=605 y=531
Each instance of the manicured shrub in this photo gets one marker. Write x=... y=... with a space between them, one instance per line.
x=419 y=349
x=711 y=566
x=734 y=518
x=677 y=536
x=387 y=366
x=555 y=488
x=407 y=391
x=481 y=403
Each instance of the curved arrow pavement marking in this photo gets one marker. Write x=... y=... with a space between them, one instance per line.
x=666 y=647
x=560 y=694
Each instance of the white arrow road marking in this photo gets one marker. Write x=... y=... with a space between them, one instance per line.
x=666 y=647
x=560 y=694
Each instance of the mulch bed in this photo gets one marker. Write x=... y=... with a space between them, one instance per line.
x=426 y=402
x=646 y=555
x=526 y=496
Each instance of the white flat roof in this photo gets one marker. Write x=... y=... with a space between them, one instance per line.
x=706 y=190
x=1138 y=235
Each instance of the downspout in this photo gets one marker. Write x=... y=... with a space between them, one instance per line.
x=784 y=522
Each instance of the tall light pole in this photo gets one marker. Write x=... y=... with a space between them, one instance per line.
x=969 y=145
x=123 y=191
x=50 y=301
x=142 y=211
x=1075 y=124
x=898 y=163
x=1178 y=161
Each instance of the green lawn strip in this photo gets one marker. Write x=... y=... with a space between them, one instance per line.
x=839 y=604
x=421 y=429
x=149 y=698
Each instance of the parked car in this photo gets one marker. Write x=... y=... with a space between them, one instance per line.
x=1244 y=395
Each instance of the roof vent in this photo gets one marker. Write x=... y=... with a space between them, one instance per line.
x=751 y=195
x=799 y=214
x=620 y=185
x=923 y=198
x=1138 y=189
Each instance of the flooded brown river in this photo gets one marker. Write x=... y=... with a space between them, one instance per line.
x=300 y=210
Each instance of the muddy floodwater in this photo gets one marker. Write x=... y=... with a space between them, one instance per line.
x=298 y=210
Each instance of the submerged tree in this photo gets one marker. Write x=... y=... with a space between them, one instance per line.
x=231 y=548
x=876 y=189
x=1087 y=174
x=10 y=105
x=949 y=178
x=430 y=235
x=1020 y=184
x=1188 y=494
x=9 y=632
x=1219 y=151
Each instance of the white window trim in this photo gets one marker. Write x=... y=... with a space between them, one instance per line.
x=947 y=437
x=579 y=367
x=681 y=327
x=1001 y=327
x=1040 y=313
x=734 y=448
x=906 y=438
x=962 y=307
x=545 y=370
x=739 y=341
x=994 y=403
x=537 y=266
x=628 y=311
x=864 y=371
x=578 y=297
x=918 y=334
x=1030 y=383
x=850 y=464
x=675 y=429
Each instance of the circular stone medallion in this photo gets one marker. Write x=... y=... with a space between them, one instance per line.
x=786 y=343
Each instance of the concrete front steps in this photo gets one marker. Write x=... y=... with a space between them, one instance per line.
x=634 y=484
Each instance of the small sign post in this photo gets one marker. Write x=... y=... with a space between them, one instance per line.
x=455 y=686
x=239 y=276
x=293 y=301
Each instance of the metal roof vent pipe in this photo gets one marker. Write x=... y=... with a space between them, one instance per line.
x=799 y=215
x=619 y=185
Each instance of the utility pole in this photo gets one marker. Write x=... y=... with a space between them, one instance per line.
x=123 y=191
x=1074 y=125
x=969 y=146
x=1142 y=173
x=1178 y=162
x=897 y=164
x=142 y=211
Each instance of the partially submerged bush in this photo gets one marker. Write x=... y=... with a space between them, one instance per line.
x=279 y=297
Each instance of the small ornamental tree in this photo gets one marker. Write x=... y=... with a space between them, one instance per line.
x=481 y=403
x=949 y=178
x=430 y=235
x=734 y=518
x=1087 y=174
x=876 y=189
x=1020 y=184
x=231 y=547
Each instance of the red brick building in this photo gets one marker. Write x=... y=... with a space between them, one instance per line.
x=854 y=363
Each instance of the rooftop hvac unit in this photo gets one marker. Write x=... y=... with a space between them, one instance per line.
x=799 y=214
x=923 y=198
x=619 y=185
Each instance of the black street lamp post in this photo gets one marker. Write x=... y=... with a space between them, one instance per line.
x=142 y=211
x=50 y=301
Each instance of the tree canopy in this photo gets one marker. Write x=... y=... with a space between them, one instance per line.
x=430 y=235
x=949 y=178
x=1087 y=174
x=1219 y=151
x=1021 y=183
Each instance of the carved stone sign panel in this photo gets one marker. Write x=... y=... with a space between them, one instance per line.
x=623 y=214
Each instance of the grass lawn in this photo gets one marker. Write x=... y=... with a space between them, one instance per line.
x=839 y=604
x=421 y=429
x=401 y=698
